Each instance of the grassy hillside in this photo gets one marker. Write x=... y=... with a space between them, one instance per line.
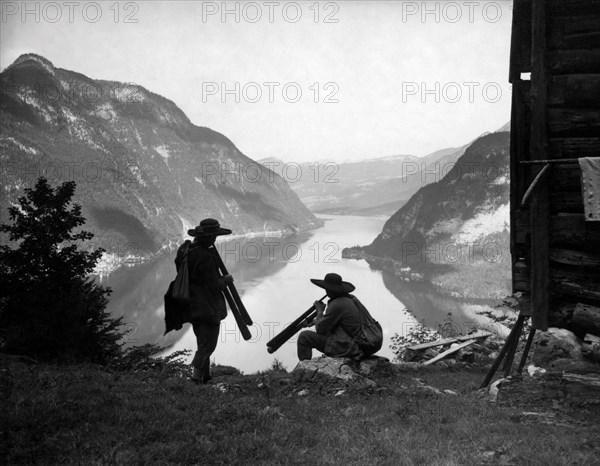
x=93 y=415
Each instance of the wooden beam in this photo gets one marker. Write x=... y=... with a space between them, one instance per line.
x=534 y=183
x=575 y=258
x=574 y=90
x=575 y=61
x=570 y=230
x=526 y=351
x=580 y=284
x=447 y=341
x=540 y=276
x=513 y=334
x=449 y=351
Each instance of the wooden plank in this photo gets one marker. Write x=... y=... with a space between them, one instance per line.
x=580 y=284
x=575 y=258
x=574 y=122
x=449 y=351
x=539 y=210
x=569 y=7
x=565 y=178
x=575 y=61
x=574 y=147
x=575 y=90
x=447 y=341
x=575 y=30
x=566 y=202
x=572 y=231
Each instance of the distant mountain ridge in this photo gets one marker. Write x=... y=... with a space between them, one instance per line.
x=454 y=232
x=375 y=186
x=144 y=172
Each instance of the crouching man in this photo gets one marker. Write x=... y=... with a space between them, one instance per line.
x=337 y=325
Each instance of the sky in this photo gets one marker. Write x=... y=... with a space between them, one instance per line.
x=298 y=81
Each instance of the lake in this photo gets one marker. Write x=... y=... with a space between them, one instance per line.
x=272 y=276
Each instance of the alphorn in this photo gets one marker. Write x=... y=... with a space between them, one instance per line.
x=231 y=300
x=275 y=343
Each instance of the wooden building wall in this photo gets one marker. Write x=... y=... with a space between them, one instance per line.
x=555 y=115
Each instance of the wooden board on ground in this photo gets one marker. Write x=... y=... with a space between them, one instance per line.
x=447 y=341
x=449 y=351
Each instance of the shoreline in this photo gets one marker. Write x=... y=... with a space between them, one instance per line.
x=110 y=262
x=405 y=273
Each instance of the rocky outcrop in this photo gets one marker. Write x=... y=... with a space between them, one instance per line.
x=351 y=373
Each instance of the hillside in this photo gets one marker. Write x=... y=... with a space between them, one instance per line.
x=427 y=415
x=144 y=172
x=454 y=232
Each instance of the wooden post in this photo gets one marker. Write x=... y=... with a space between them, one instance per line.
x=513 y=347
x=540 y=263
x=513 y=334
x=526 y=351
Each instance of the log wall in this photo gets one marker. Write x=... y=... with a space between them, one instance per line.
x=556 y=115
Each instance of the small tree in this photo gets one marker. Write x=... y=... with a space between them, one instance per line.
x=49 y=307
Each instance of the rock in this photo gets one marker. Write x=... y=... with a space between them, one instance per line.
x=465 y=355
x=302 y=392
x=333 y=369
x=533 y=370
x=372 y=364
x=556 y=344
x=494 y=388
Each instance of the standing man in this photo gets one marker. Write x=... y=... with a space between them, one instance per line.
x=207 y=303
x=336 y=325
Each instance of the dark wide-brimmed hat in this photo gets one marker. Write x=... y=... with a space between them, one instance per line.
x=334 y=283
x=209 y=227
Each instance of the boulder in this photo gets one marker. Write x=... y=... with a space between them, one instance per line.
x=557 y=349
x=325 y=369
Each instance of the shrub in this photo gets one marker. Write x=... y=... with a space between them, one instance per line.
x=50 y=309
x=418 y=334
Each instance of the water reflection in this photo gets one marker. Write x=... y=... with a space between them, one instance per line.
x=272 y=276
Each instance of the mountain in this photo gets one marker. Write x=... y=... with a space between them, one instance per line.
x=378 y=186
x=144 y=172
x=454 y=232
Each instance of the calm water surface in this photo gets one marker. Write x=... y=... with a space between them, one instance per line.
x=272 y=276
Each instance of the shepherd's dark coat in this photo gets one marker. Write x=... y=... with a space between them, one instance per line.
x=207 y=303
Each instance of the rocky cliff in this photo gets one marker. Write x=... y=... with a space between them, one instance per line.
x=454 y=232
x=144 y=172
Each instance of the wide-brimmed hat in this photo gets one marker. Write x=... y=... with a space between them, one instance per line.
x=334 y=283
x=209 y=227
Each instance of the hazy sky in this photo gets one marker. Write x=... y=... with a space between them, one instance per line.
x=375 y=78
